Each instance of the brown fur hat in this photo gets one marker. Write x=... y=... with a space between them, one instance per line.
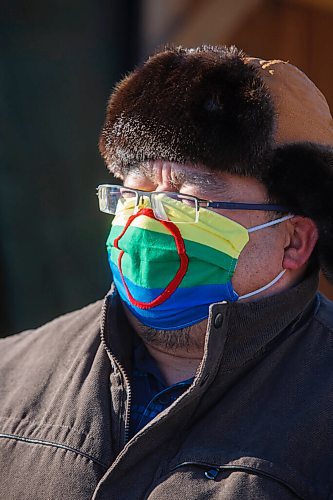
x=203 y=105
x=217 y=107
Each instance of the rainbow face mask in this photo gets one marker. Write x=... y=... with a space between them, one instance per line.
x=168 y=274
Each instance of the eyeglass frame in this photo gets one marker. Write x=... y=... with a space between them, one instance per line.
x=226 y=205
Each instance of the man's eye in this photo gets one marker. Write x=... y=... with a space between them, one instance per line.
x=127 y=194
x=187 y=201
x=184 y=199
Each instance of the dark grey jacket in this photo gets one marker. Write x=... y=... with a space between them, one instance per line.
x=255 y=424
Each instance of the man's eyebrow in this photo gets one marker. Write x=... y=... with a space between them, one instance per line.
x=199 y=179
x=121 y=171
x=209 y=181
x=140 y=169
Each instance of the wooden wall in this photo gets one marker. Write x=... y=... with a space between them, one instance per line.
x=298 y=32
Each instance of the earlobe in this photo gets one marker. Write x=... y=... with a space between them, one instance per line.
x=302 y=239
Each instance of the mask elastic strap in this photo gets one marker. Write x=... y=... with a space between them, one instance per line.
x=270 y=223
x=271 y=283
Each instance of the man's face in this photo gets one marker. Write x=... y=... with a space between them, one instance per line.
x=261 y=259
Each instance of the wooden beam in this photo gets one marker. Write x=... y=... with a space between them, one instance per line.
x=319 y=4
x=213 y=21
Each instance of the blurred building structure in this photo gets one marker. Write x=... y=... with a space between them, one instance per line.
x=59 y=61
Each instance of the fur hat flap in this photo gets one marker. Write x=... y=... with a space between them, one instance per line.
x=301 y=176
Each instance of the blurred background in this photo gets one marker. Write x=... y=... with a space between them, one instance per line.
x=59 y=61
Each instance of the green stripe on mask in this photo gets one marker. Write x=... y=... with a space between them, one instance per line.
x=154 y=262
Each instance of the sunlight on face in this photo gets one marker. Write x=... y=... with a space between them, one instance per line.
x=198 y=181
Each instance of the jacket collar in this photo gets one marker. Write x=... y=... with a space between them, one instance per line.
x=236 y=332
x=241 y=330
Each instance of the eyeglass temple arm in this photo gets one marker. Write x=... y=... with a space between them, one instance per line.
x=245 y=206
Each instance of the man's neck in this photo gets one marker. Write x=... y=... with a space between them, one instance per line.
x=177 y=353
x=175 y=366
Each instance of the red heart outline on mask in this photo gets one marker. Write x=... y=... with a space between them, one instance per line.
x=183 y=265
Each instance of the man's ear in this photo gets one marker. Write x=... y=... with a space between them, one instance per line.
x=303 y=236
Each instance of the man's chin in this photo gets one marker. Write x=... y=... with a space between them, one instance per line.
x=184 y=339
x=171 y=340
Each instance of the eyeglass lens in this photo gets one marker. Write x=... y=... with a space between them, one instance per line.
x=173 y=207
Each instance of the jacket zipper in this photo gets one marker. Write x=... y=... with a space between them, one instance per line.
x=212 y=472
x=121 y=368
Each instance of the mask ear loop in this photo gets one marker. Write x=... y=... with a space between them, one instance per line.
x=270 y=223
x=271 y=283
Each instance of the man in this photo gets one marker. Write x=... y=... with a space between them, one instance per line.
x=206 y=373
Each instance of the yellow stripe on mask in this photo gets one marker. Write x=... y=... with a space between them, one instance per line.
x=212 y=229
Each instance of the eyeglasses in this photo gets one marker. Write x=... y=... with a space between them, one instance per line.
x=165 y=205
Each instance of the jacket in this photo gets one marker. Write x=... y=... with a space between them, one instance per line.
x=255 y=424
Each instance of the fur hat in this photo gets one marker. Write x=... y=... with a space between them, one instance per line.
x=217 y=107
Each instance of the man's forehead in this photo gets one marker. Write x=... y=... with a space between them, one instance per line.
x=195 y=179
x=177 y=173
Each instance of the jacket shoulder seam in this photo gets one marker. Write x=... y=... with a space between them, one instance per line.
x=53 y=444
x=321 y=321
x=325 y=325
